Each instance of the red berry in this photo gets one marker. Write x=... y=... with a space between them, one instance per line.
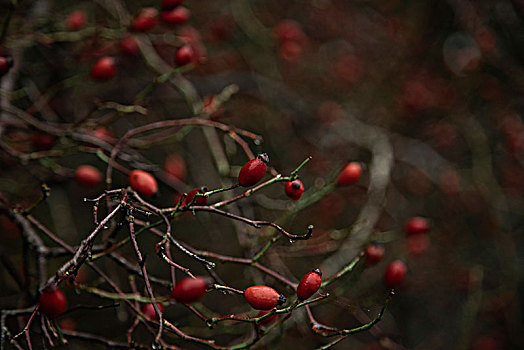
x=170 y=4
x=253 y=171
x=176 y=16
x=395 y=273
x=103 y=134
x=189 y=290
x=103 y=69
x=149 y=310
x=175 y=166
x=52 y=303
x=143 y=182
x=5 y=64
x=263 y=297
x=350 y=174
x=76 y=20
x=294 y=189
x=184 y=55
x=289 y=30
x=309 y=284
x=145 y=20
x=418 y=243
x=267 y=320
x=43 y=141
x=199 y=200
x=374 y=253
x=416 y=224
x=128 y=46
x=88 y=175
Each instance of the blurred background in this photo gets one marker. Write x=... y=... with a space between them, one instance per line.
x=425 y=95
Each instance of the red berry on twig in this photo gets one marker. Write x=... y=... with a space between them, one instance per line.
x=199 y=199
x=149 y=310
x=309 y=284
x=52 y=302
x=395 y=273
x=189 y=290
x=294 y=189
x=253 y=171
x=143 y=182
x=263 y=297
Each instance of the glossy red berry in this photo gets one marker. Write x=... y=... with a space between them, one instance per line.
x=149 y=310
x=128 y=46
x=263 y=297
x=267 y=320
x=189 y=290
x=176 y=16
x=184 y=55
x=146 y=20
x=395 y=273
x=294 y=189
x=416 y=225
x=76 y=20
x=199 y=200
x=103 y=69
x=5 y=64
x=170 y=4
x=350 y=174
x=53 y=303
x=175 y=166
x=374 y=253
x=88 y=175
x=253 y=171
x=309 y=284
x=143 y=182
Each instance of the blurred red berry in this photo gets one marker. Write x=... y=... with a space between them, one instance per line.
x=103 y=69
x=294 y=189
x=178 y=15
x=129 y=46
x=5 y=64
x=184 y=55
x=52 y=302
x=350 y=174
x=416 y=224
x=88 y=175
x=189 y=290
x=263 y=297
x=43 y=141
x=175 y=166
x=309 y=284
x=395 y=273
x=253 y=171
x=418 y=244
x=374 y=253
x=143 y=182
x=149 y=310
x=146 y=20
x=76 y=20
